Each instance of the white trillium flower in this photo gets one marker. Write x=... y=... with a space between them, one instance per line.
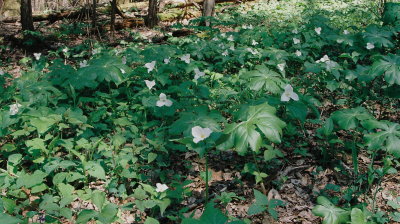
x=167 y=60
x=232 y=48
x=318 y=30
x=223 y=34
x=37 y=56
x=296 y=41
x=83 y=64
x=65 y=50
x=163 y=101
x=230 y=38
x=215 y=39
x=325 y=58
x=198 y=73
x=150 y=66
x=200 y=133
x=339 y=41
x=124 y=60
x=289 y=94
x=122 y=71
x=253 y=51
x=96 y=51
x=225 y=53
x=14 y=108
x=186 y=58
x=254 y=43
x=161 y=187
x=298 y=53
x=150 y=84
x=281 y=67
x=346 y=32
x=370 y=46
x=295 y=31
x=1 y=72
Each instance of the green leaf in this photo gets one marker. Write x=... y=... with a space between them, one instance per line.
x=358 y=217
x=256 y=209
x=9 y=205
x=330 y=213
x=261 y=199
x=395 y=204
x=98 y=198
x=151 y=220
x=389 y=66
x=387 y=136
x=29 y=181
x=8 y=219
x=86 y=215
x=108 y=214
x=151 y=157
x=42 y=124
x=379 y=36
x=139 y=194
x=210 y=215
x=262 y=78
x=245 y=133
x=199 y=116
x=95 y=170
x=349 y=118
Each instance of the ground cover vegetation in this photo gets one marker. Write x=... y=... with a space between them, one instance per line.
x=139 y=133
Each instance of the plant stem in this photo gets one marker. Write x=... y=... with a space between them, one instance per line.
x=206 y=177
x=258 y=170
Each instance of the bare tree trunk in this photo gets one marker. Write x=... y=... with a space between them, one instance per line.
x=26 y=15
x=113 y=10
x=94 y=15
x=208 y=11
x=152 y=20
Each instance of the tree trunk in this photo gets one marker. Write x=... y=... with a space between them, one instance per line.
x=208 y=11
x=113 y=10
x=94 y=15
x=26 y=15
x=152 y=20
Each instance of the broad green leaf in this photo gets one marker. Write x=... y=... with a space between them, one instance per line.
x=349 y=118
x=86 y=215
x=244 y=134
x=151 y=157
x=262 y=78
x=151 y=220
x=9 y=204
x=42 y=124
x=330 y=213
x=8 y=219
x=108 y=214
x=98 y=198
x=96 y=170
x=358 y=217
x=379 y=36
x=31 y=180
x=199 y=116
x=388 y=136
x=210 y=215
x=389 y=66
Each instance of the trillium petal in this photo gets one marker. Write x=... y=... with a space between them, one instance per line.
x=294 y=96
x=168 y=103
x=284 y=97
x=207 y=132
x=196 y=131
x=163 y=96
x=160 y=103
x=288 y=88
